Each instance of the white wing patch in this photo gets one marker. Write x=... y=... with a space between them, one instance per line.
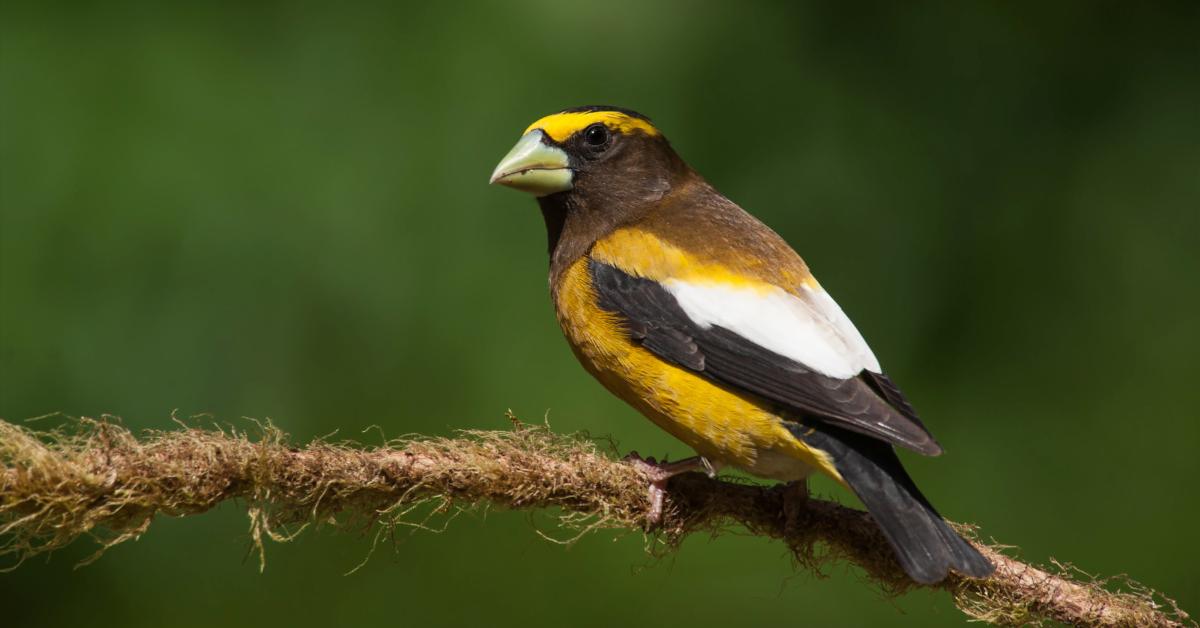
x=810 y=329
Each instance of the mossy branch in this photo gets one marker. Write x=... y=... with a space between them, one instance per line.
x=96 y=478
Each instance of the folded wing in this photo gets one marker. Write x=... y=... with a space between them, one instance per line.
x=799 y=351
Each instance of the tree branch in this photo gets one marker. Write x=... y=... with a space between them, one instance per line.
x=96 y=478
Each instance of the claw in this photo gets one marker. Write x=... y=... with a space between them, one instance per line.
x=710 y=469
x=659 y=473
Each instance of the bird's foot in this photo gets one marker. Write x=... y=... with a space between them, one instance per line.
x=795 y=498
x=798 y=490
x=659 y=473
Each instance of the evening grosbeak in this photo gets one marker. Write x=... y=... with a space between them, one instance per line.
x=706 y=321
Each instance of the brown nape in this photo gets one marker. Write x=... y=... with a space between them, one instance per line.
x=616 y=190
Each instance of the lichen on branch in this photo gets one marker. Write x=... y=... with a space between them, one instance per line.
x=96 y=478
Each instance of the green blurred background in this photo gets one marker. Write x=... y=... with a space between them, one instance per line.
x=281 y=211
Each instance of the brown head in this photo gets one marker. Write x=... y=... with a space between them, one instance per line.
x=593 y=169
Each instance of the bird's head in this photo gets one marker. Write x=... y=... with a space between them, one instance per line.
x=595 y=153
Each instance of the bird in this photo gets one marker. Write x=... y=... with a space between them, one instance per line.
x=707 y=322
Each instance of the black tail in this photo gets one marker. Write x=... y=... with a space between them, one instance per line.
x=925 y=545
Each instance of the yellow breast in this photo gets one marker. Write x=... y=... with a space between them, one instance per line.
x=721 y=425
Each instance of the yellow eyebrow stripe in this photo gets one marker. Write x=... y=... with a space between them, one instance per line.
x=560 y=126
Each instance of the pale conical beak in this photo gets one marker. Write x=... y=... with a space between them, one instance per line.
x=534 y=166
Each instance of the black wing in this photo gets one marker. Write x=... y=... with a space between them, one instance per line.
x=869 y=403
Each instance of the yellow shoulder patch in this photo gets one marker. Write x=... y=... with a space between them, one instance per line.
x=560 y=126
x=644 y=254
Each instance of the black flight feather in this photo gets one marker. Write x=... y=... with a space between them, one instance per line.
x=925 y=545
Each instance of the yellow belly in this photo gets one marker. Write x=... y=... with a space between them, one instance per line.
x=726 y=427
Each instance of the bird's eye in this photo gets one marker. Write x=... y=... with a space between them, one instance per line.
x=596 y=135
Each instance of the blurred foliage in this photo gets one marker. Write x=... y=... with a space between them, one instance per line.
x=268 y=210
